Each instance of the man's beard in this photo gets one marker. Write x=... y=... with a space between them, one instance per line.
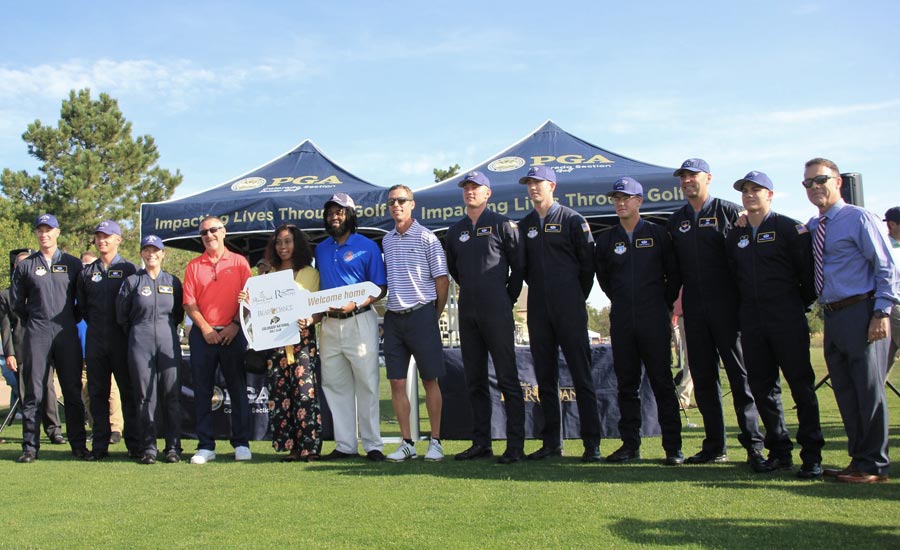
x=338 y=231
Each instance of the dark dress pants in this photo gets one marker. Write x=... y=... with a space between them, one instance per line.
x=105 y=360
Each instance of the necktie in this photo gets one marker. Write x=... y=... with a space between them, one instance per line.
x=818 y=248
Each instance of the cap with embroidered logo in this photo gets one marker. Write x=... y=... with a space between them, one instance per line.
x=892 y=215
x=477 y=178
x=46 y=219
x=628 y=186
x=152 y=240
x=109 y=227
x=692 y=165
x=540 y=173
x=756 y=178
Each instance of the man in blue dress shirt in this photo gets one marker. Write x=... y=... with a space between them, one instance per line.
x=857 y=283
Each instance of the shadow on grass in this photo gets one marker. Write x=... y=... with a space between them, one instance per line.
x=754 y=533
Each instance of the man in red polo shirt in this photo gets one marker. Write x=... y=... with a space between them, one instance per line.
x=211 y=285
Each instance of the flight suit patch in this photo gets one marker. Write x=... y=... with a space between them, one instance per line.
x=767 y=237
x=145 y=291
x=165 y=289
x=801 y=229
x=586 y=227
x=620 y=248
x=464 y=236
x=96 y=276
x=644 y=243
x=707 y=222
x=744 y=242
x=40 y=271
x=483 y=231
x=60 y=269
x=685 y=226
x=115 y=273
x=532 y=232
x=552 y=228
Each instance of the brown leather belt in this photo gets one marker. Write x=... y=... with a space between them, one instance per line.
x=847 y=302
x=347 y=315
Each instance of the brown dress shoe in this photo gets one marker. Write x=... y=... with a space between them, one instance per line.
x=862 y=477
x=833 y=472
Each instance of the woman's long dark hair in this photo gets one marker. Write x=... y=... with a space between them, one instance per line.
x=303 y=254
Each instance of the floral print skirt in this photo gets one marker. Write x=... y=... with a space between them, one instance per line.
x=294 y=414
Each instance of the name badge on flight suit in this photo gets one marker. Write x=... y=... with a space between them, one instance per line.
x=60 y=269
x=115 y=273
x=707 y=222
x=483 y=231
x=165 y=289
x=552 y=228
x=644 y=243
x=767 y=237
x=463 y=236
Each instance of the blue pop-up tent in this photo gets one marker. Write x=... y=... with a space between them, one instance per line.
x=292 y=188
x=585 y=173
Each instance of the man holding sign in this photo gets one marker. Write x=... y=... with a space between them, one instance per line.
x=348 y=340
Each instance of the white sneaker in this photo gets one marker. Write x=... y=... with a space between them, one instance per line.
x=242 y=453
x=404 y=452
x=435 y=451
x=203 y=456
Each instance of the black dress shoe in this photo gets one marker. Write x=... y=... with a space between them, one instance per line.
x=57 y=439
x=137 y=455
x=339 y=455
x=706 y=457
x=511 y=456
x=27 y=457
x=475 y=451
x=172 y=456
x=623 y=454
x=375 y=455
x=810 y=470
x=776 y=463
x=757 y=462
x=80 y=453
x=544 y=452
x=591 y=454
x=148 y=459
x=674 y=458
x=95 y=456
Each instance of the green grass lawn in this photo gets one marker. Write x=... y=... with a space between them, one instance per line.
x=58 y=502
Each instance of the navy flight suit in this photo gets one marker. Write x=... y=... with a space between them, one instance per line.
x=487 y=260
x=560 y=273
x=710 y=302
x=640 y=276
x=43 y=296
x=774 y=271
x=106 y=349
x=150 y=311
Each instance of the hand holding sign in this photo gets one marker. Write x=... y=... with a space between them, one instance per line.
x=269 y=319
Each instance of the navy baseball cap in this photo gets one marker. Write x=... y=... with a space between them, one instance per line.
x=341 y=199
x=46 y=219
x=109 y=227
x=629 y=186
x=692 y=165
x=152 y=240
x=476 y=177
x=544 y=173
x=892 y=215
x=758 y=178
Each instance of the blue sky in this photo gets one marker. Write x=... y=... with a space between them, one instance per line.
x=392 y=90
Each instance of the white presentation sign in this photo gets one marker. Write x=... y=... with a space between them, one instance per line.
x=276 y=302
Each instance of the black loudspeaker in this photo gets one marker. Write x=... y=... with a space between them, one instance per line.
x=852 y=188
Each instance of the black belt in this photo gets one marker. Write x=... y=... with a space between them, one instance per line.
x=342 y=315
x=411 y=309
x=847 y=302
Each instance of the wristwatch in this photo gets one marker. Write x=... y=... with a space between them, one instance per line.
x=879 y=314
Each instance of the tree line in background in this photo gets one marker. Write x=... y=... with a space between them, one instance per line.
x=92 y=169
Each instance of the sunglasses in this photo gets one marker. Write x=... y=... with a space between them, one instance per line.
x=213 y=230
x=821 y=180
x=401 y=200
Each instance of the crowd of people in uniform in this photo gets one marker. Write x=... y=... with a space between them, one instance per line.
x=747 y=277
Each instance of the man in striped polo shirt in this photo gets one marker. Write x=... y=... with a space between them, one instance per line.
x=417 y=292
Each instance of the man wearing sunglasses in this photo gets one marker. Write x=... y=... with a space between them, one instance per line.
x=771 y=261
x=212 y=282
x=417 y=292
x=857 y=283
x=710 y=302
